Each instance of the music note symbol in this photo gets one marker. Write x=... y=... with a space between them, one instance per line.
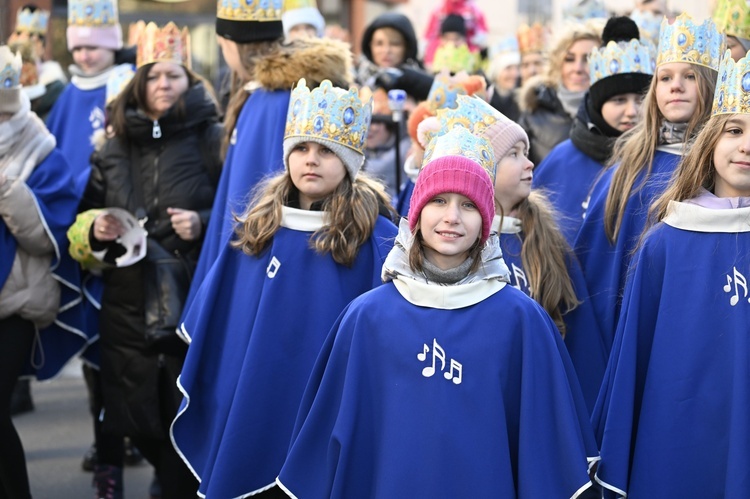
x=450 y=375
x=422 y=356
x=439 y=353
x=739 y=282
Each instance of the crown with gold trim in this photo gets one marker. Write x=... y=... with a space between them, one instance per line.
x=33 y=23
x=732 y=17
x=167 y=44
x=622 y=57
x=732 y=95
x=445 y=88
x=330 y=113
x=532 y=38
x=454 y=58
x=249 y=10
x=92 y=13
x=685 y=41
x=10 y=68
x=471 y=113
x=461 y=142
x=118 y=80
x=299 y=4
x=649 y=25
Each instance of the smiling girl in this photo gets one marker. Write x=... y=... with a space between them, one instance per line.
x=672 y=417
x=419 y=390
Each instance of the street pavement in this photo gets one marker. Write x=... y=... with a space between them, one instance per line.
x=57 y=434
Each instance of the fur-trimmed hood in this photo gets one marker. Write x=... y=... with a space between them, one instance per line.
x=538 y=92
x=315 y=59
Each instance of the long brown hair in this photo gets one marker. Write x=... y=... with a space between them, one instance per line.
x=352 y=211
x=634 y=150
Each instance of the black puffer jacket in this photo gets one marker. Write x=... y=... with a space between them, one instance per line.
x=180 y=170
x=544 y=119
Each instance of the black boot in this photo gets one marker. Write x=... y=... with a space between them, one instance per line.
x=90 y=459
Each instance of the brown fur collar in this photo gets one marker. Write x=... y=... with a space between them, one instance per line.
x=314 y=59
x=529 y=93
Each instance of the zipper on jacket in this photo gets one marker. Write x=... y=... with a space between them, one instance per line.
x=156 y=132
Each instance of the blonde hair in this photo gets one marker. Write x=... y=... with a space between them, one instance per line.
x=352 y=209
x=571 y=33
x=545 y=254
x=634 y=150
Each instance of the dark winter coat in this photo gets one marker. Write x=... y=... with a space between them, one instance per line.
x=544 y=119
x=179 y=170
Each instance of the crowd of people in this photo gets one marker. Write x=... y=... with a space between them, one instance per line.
x=445 y=267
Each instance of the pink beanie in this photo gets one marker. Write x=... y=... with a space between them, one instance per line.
x=454 y=174
x=106 y=37
x=503 y=135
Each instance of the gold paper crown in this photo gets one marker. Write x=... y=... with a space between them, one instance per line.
x=685 y=41
x=33 y=23
x=732 y=95
x=454 y=58
x=532 y=38
x=299 y=4
x=249 y=10
x=167 y=44
x=732 y=17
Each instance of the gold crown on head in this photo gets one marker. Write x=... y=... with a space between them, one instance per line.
x=33 y=23
x=249 y=10
x=685 y=41
x=732 y=17
x=299 y=4
x=10 y=68
x=167 y=44
x=732 y=95
x=532 y=38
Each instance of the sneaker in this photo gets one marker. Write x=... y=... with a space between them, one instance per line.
x=90 y=459
x=108 y=482
x=132 y=456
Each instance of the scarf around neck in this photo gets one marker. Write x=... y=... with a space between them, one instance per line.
x=570 y=100
x=24 y=143
x=672 y=133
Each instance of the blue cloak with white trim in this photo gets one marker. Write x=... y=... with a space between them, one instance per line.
x=672 y=416
x=605 y=265
x=412 y=401
x=51 y=184
x=567 y=175
x=256 y=327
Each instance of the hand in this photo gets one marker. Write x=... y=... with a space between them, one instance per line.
x=388 y=78
x=107 y=228
x=186 y=224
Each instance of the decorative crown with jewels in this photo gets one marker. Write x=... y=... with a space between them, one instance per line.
x=10 y=68
x=732 y=95
x=249 y=10
x=622 y=57
x=649 y=25
x=92 y=13
x=167 y=44
x=33 y=23
x=454 y=58
x=330 y=113
x=461 y=142
x=471 y=113
x=685 y=41
x=532 y=38
x=445 y=88
x=732 y=17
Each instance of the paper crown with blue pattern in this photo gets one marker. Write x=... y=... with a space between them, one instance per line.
x=620 y=58
x=444 y=90
x=685 y=41
x=649 y=25
x=10 y=68
x=329 y=113
x=92 y=13
x=732 y=17
x=459 y=141
x=33 y=23
x=118 y=80
x=581 y=10
x=249 y=10
x=732 y=95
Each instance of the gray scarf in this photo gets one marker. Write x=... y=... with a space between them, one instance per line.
x=449 y=276
x=570 y=100
x=672 y=133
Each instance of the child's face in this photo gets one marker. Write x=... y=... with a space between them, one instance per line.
x=388 y=48
x=93 y=60
x=454 y=38
x=316 y=171
x=450 y=224
x=736 y=48
x=621 y=111
x=302 y=31
x=532 y=64
x=732 y=158
x=677 y=91
x=575 y=66
x=513 y=178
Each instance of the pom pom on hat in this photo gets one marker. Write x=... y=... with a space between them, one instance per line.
x=620 y=29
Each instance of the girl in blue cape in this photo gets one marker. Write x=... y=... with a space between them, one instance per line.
x=672 y=414
x=419 y=390
x=313 y=239
x=676 y=105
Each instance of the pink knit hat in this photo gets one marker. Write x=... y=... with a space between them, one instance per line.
x=503 y=135
x=454 y=174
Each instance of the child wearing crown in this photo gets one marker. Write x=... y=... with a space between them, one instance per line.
x=446 y=381
x=313 y=238
x=672 y=416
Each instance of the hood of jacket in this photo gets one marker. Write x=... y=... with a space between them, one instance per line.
x=540 y=93
x=400 y=23
x=315 y=59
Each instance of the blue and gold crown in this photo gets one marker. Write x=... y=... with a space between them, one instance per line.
x=10 y=68
x=685 y=41
x=33 y=23
x=117 y=81
x=330 y=113
x=461 y=142
x=249 y=10
x=649 y=25
x=92 y=13
x=732 y=95
x=444 y=90
x=471 y=113
x=622 y=57
x=732 y=17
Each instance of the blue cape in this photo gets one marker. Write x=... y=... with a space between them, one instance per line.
x=404 y=198
x=257 y=325
x=256 y=151
x=604 y=265
x=376 y=422
x=567 y=175
x=672 y=417
x=51 y=184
